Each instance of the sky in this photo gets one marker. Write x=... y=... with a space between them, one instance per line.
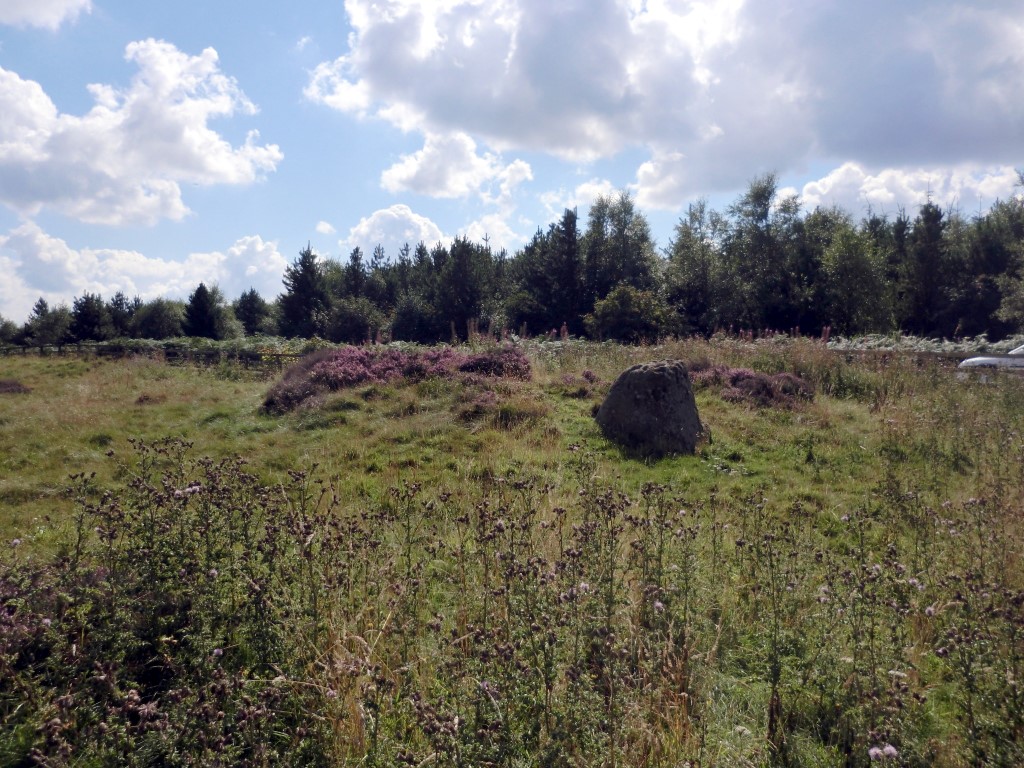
x=147 y=147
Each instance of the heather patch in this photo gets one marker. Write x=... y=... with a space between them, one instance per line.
x=13 y=387
x=743 y=385
x=330 y=370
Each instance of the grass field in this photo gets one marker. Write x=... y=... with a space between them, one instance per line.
x=463 y=571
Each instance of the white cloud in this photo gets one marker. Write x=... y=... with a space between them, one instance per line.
x=448 y=166
x=556 y=202
x=124 y=160
x=37 y=264
x=494 y=230
x=856 y=189
x=325 y=228
x=392 y=228
x=42 y=13
x=715 y=91
x=330 y=85
x=251 y=262
x=662 y=181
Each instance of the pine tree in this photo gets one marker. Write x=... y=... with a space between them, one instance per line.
x=305 y=305
x=253 y=312
x=90 y=319
x=203 y=314
x=121 y=311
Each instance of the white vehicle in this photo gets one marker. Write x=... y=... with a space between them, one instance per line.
x=1014 y=359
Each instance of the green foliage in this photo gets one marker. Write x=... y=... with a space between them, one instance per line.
x=158 y=319
x=305 y=305
x=355 y=320
x=122 y=311
x=8 y=330
x=159 y=639
x=547 y=280
x=254 y=313
x=48 y=326
x=761 y=265
x=852 y=288
x=618 y=248
x=698 y=283
x=629 y=315
x=417 y=321
x=90 y=319
x=207 y=315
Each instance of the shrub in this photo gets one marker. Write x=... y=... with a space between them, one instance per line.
x=628 y=314
x=504 y=362
x=158 y=633
x=354 y=320
x=334 y=369
x=742 y=385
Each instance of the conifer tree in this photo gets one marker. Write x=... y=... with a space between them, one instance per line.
x=305 y=305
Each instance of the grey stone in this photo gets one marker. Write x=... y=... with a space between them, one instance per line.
x=650 y=409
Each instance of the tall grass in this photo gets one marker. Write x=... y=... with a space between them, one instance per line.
x=835 y=583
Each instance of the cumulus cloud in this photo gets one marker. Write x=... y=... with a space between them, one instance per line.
x=855 y=189
x=555 y=202
x=36 y=264
x=494 y=229
x=325 y=228
x=392 y=228
x=716 y=91
x=449 y=166
x=124 y=161
x=42 y=13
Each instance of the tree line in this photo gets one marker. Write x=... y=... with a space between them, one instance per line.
x=760 y=265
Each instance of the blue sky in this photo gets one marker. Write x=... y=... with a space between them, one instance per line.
x=146 y=147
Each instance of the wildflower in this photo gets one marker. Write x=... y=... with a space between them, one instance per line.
x=218 y=652
x=659 y=607
x=875 y=753
x=584 y=587
x=890 y=751
x=331 y=693
x=16 y=542
x=929 y=611
x=213 y=573
x=47 y=622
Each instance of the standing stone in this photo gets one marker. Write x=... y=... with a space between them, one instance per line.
x=650 y=409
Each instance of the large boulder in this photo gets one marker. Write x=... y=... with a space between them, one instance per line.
x=650 y=409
